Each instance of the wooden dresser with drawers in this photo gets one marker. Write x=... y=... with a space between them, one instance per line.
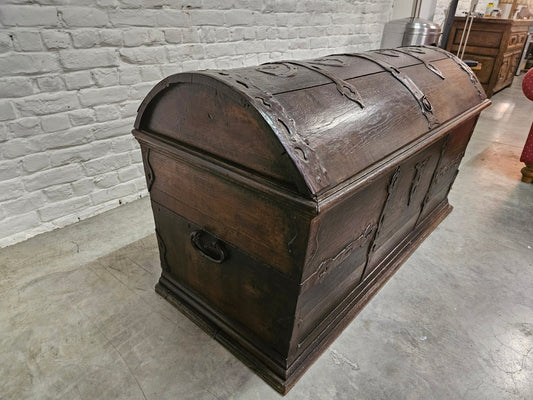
x=496 y=44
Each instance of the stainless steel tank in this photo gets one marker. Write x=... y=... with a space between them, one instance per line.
x=410 y=32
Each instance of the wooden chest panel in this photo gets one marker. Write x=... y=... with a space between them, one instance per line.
x=262 y=226
x=405 y=195
x=233 y=127
x=452 y=152
x=329 y=131
x=285 y=195
x=253 y=298
x=338 y=254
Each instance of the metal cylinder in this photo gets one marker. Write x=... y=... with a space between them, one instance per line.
x=410 y=32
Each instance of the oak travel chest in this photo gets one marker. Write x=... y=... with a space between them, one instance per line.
x=285 y=195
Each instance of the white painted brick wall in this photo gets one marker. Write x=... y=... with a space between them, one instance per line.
x=72 y=74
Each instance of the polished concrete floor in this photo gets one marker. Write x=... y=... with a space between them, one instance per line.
x=79 y=318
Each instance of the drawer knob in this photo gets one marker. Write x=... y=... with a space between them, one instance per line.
x=209 y=246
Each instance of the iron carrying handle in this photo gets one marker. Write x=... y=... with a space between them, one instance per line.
x=209 y=246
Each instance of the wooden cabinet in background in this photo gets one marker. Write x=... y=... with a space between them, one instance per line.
x=496 y=44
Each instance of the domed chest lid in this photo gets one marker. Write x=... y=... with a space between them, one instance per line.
x=317 y=125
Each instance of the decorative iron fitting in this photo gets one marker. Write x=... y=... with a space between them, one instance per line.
x=393 y=182
x=328 y=62
x=416 y=49
x=285 y=69
x=280 y=69
x=425 y=106
x=325 y=266
x=434 y=178
x=409 y=51
x=346 y=89
x=465 y=68
x=150 y=175
x=162 y=251
x=283 y=126
x=419 y=168
x=387 y=52
x=391 y=188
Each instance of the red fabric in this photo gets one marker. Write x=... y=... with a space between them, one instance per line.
x=527 y=84
x=527 y=153
x=527 y=88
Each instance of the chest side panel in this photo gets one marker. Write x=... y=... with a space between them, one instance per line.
x=211 y=118
x=338 y=250
x=272 y=231
x=249 y=297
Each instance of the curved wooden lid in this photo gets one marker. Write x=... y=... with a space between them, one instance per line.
x=314 y=125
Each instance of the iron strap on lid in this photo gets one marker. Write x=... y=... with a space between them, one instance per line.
x=284 y=127
x=425 y=106
x=464 y=67
x=409 y=51
x=343 y=87
x=346 y=89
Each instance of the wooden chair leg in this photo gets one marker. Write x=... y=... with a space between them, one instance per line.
x=527 y=173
